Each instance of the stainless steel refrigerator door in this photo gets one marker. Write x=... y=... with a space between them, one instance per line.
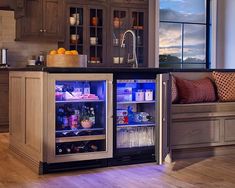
x=162 y=143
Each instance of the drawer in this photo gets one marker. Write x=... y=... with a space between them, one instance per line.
x=195 y=132
x=229 y=130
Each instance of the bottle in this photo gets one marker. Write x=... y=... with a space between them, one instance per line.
x=59 y=149
x=68 y=149
x=86 y=88
x=92 y=115
x=59 y=119
x=41 y=58
x=38 y=62
x=130 y=114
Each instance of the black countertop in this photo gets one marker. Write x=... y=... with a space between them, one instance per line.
x=108 y=70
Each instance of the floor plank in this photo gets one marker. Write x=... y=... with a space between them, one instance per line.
x=191 y=173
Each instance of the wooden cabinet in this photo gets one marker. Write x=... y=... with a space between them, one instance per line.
x=43 y=19
x=34 y=119
x=130 y=1
x=86 y=31
x=101 y=27
x=4 y=101
x=123 y=19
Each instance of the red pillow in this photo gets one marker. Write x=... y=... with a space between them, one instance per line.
x=195 y=91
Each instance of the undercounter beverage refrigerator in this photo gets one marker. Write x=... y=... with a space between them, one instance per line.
x=81 y=117
x=140 y=123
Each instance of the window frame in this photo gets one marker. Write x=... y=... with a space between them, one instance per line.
x=209 y=34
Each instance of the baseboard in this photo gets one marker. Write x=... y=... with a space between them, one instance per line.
x=26 y=159
x=203 y=152
x=4 y=128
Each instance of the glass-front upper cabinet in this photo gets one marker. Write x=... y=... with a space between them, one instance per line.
x=76 y=29
x=82 y=117
x=96 y=52
x=124 y=19
x=87 y=32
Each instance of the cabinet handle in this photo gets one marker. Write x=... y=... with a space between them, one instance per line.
x=41 y=30
x=44 y=30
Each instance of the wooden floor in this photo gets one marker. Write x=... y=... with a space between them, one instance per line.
x=213 y=172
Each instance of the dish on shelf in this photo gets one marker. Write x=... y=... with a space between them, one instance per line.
x=60 y=96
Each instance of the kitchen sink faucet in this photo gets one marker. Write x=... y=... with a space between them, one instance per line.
x=134 y=58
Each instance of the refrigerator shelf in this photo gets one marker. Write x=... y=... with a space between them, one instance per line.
x=136 y=102
x=80 y=138
x=79 y=101
x=136 y=125
x=79 y=132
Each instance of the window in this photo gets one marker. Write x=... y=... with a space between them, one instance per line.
x=184 y=34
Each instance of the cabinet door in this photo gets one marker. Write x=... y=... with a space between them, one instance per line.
x=80 y=126
x=131 y=1
x=32 y=22
x=76 y=31
x=96 y=36
x=119 y=24
x=139 y=24
x=52 y=18
x=163 y=114
x=4 y=103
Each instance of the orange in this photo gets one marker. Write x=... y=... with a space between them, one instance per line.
x=61 y=51
x=68 y=53
x=74 y=52
x=53 y=52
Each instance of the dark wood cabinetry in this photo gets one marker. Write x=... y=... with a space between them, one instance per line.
x=86 y=31
x=43 y=18
x=4 y=101
x=130 y=1
x=101 y=27
x=134 y=19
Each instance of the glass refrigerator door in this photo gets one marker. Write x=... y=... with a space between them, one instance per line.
x=135 y=113
x=80 y=116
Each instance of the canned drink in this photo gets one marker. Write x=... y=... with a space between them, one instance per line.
x=149 y=95
x=73 y=121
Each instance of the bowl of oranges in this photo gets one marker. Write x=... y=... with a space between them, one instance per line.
x=64 y=58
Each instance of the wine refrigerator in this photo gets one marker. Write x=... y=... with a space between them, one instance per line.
x=80 y=117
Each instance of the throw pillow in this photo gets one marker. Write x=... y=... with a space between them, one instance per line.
x=225 y=83
x=174 y=91
x=195 y=91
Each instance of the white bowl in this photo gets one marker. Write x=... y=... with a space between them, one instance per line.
x=31 y=62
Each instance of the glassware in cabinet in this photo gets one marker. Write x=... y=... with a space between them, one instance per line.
x=119 y=23
x=76 y=29
x=96 y=36
x=139 y=26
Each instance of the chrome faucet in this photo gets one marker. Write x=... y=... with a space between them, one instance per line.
x=134 y=57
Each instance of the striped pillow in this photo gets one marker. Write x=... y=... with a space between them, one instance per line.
x=195 y=91
x=225 y=83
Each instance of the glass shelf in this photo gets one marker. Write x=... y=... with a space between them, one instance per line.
x=136 y=102
x=136 y=125
x=79 y=101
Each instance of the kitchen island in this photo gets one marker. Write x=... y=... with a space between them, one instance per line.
x=69 y=118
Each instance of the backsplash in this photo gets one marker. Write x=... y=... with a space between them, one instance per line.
x=18 y=51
